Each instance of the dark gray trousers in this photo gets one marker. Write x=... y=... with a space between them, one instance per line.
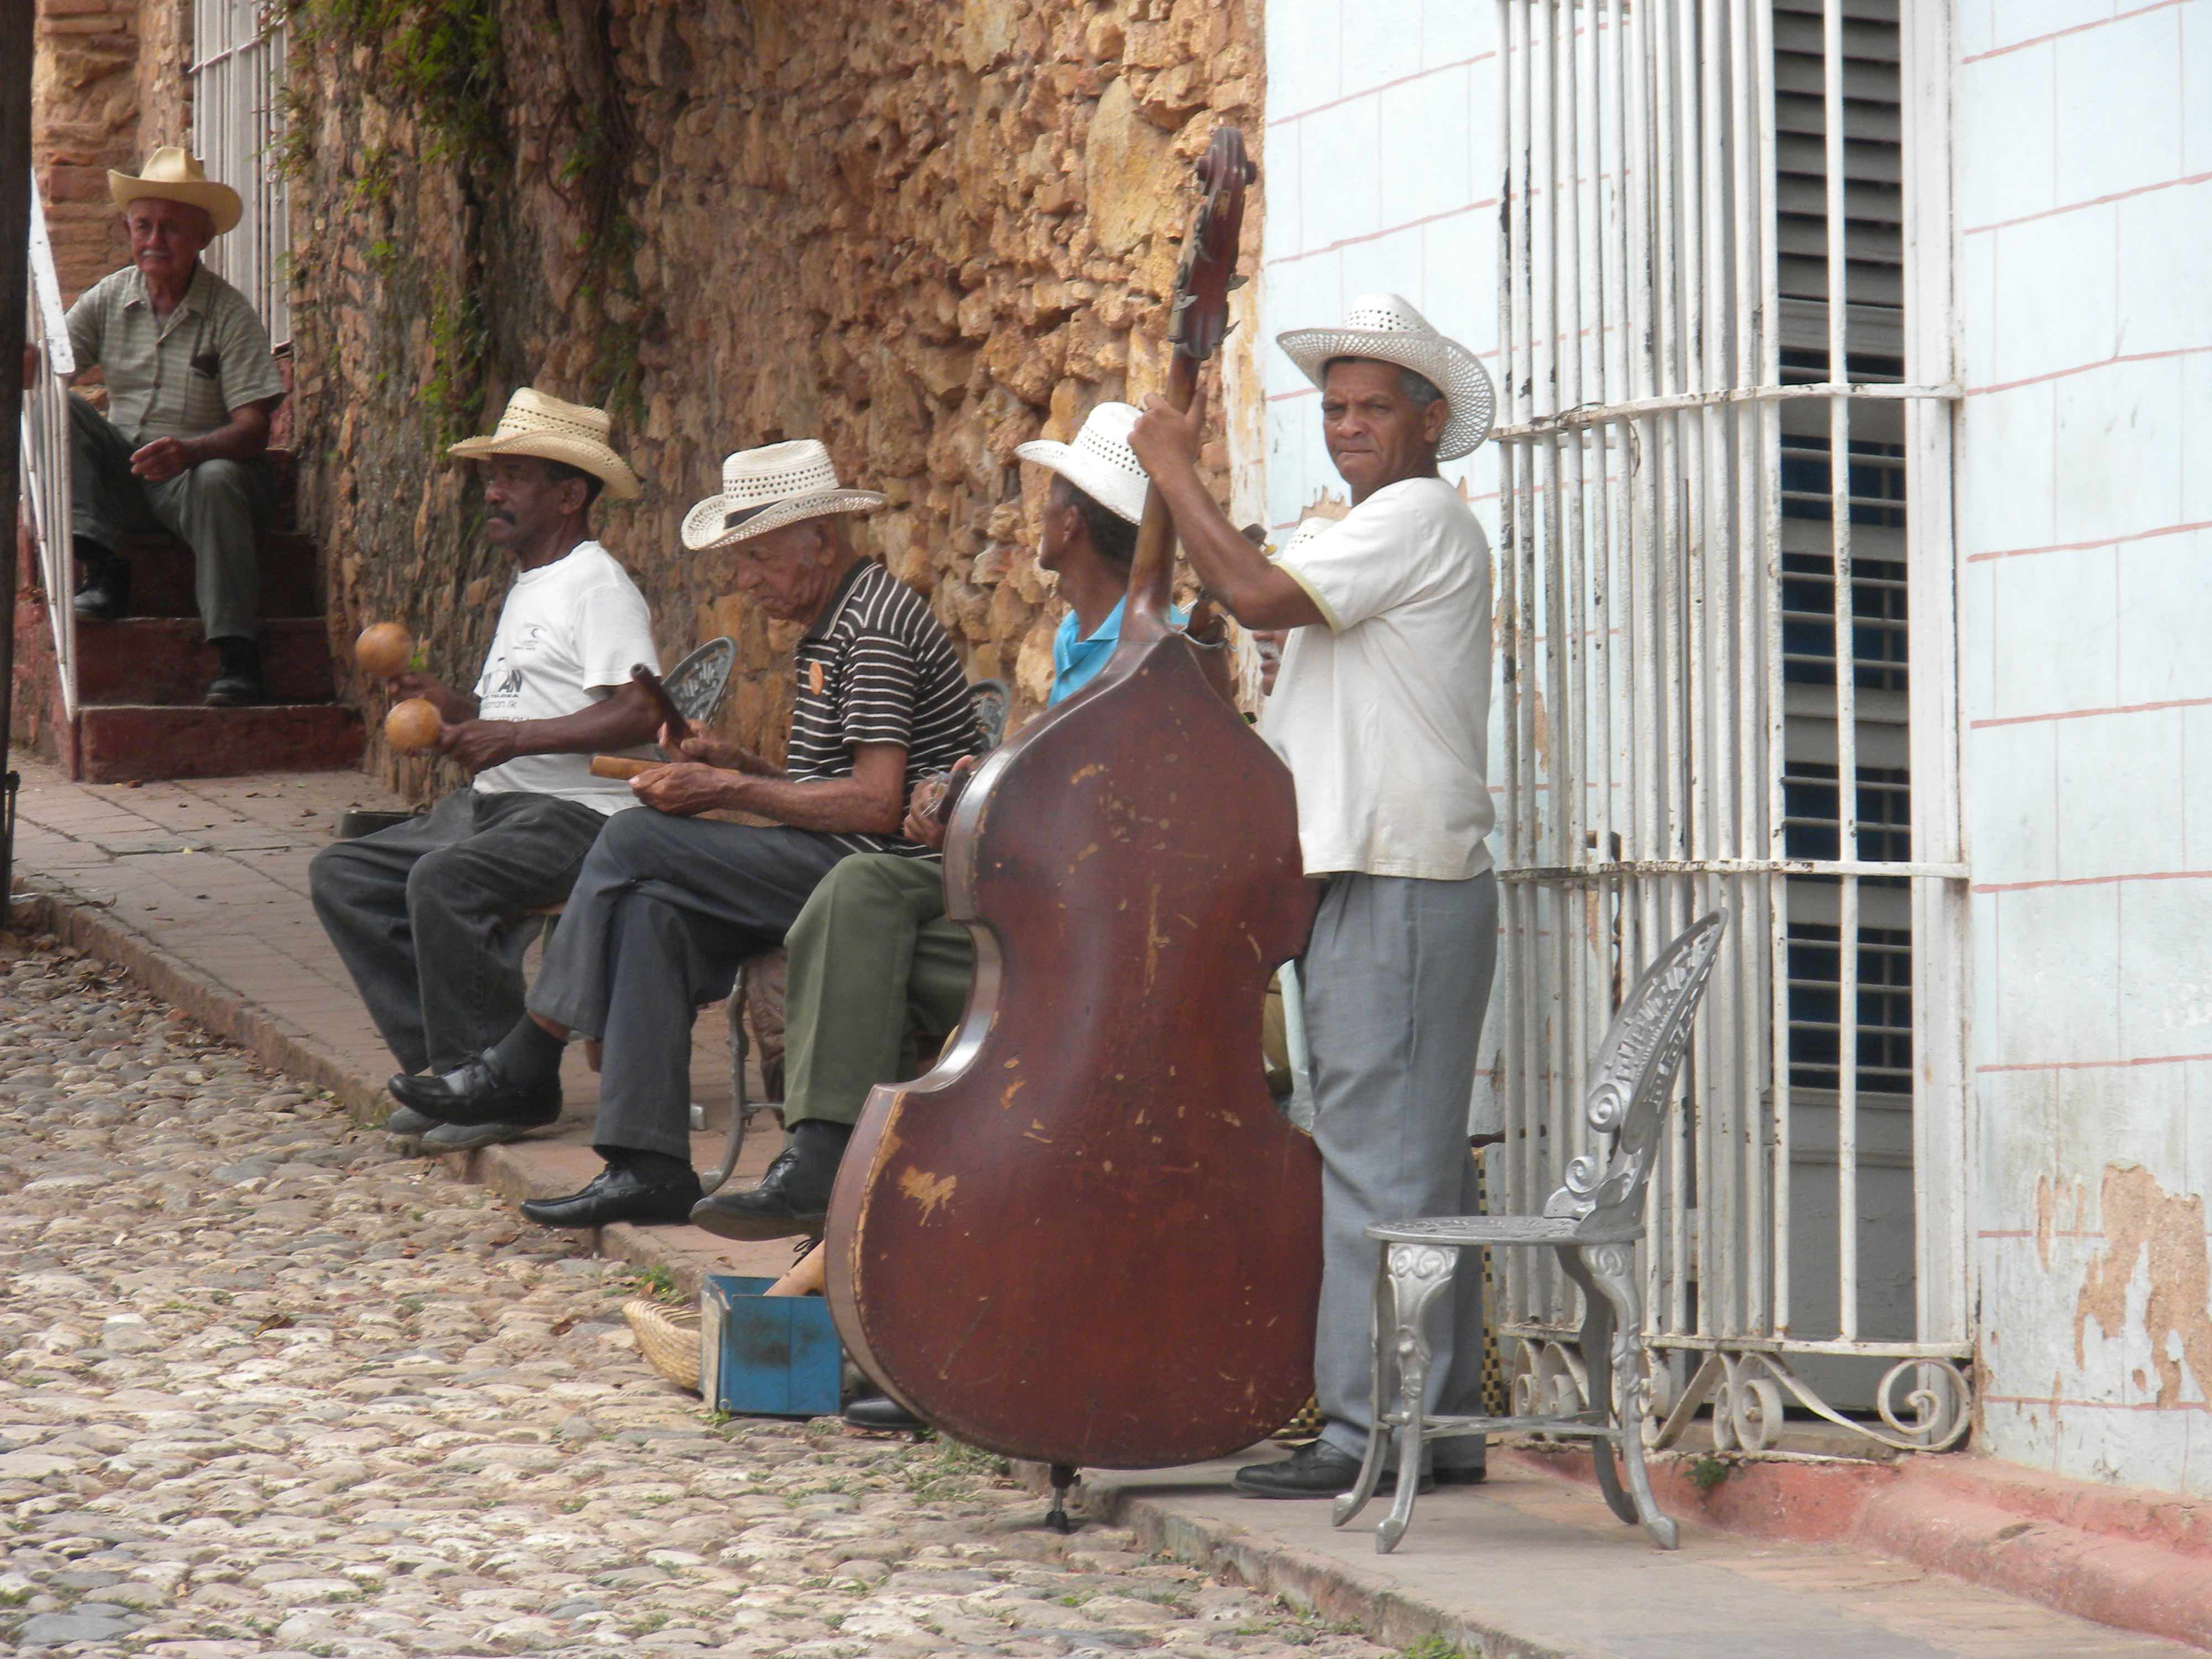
x=428 y=916
x=216 y=509
x=661 y=914
x=1397 y=976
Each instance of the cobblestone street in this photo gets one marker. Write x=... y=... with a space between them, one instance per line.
x=265 y=1386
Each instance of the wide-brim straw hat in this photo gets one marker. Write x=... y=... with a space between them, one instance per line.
x=1385 y=328
x=766 y=489
x=573 y=433
x=174 y=174
x=1100 y=462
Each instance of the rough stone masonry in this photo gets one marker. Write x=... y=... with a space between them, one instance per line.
x=266 y=1389
x=924 y=233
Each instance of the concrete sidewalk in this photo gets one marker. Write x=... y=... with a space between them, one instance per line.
x=200 y=889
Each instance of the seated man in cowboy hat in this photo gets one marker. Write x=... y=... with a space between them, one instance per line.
x=1381 y=710
x=431 y=916
x=872 y=952
x=669 y=902
x=191 y=386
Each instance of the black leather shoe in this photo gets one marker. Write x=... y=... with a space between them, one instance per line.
x=239 y=682
x=103 y=593
x=881 y=1414
x=792 y=1197
x=1315 y=1469
x=405 y=1120
x=617 y=1194
x=476 y=1092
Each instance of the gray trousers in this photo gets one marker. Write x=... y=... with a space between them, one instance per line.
x=216 y=509
x=662 y=913
x=1397 y=977
x=428 y=916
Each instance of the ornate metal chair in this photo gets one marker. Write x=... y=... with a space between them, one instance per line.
x=1593 y=1223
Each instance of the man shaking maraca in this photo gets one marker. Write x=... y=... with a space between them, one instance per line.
x=431 y=916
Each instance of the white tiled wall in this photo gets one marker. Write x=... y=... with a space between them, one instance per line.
x=1381 y=175
x=2085 y=518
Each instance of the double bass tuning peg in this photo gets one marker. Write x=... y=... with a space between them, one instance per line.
x=1236 y=283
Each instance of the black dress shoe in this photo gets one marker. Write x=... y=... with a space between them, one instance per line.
x=239 y=682
x=882 y=1414
x=103 y=590
x=1315 y=1469
x=792 y=1197
x=477 y=1092
x=618 y=1194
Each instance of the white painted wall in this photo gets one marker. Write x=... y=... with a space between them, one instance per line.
x=1380 y=173
x=2084 y=176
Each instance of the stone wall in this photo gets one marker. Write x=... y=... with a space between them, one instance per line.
x=924 y=233
x=85 y=108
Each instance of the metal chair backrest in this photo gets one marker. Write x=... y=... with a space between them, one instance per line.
x=992 y=703
x=1635 y=1073
x=698 y=683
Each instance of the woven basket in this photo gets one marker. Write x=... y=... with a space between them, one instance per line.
x=668 y=1338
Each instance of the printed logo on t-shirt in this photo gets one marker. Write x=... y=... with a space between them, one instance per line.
x=532 y=641
x=502 y=689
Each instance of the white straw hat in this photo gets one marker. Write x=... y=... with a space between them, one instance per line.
x=1100 y=462
x=1384 y=328
x=174 y=174
x=573 y=433
x=767 y=488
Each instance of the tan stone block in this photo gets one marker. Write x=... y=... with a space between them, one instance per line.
x=1131 y=178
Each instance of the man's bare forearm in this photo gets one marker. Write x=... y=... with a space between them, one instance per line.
x=622 y=721
x=842 y=806
x=245 y=437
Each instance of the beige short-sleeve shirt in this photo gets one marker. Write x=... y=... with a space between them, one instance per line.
x=176 y=376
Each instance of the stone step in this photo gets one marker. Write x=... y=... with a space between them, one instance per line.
x=119 y=743
x=162 y=571
x=163 y=659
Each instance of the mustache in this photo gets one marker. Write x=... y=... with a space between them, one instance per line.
x=502 y=513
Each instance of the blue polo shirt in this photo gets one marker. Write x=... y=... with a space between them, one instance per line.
x=1076 y=662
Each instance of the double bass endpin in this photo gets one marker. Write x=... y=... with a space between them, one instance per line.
x=1063 y=1477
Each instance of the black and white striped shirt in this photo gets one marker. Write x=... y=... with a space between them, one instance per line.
x=878 y=668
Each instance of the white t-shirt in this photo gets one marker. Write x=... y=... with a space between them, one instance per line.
x=1383 y=716
x=567 y=636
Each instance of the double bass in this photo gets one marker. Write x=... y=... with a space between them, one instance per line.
x=1089 y=1237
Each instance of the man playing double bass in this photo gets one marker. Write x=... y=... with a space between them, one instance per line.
x=1380 y=709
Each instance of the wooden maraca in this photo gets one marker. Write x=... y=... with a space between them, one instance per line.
x=413 y=725
x=383 y=650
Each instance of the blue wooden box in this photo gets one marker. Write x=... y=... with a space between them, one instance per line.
x=766 y=1356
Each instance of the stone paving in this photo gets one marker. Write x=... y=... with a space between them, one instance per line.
x=267 y=1386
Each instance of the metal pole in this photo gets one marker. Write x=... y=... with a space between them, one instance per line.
x=15 y=307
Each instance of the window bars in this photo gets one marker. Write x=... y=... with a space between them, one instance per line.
x=238 y=125
x=1718 y=281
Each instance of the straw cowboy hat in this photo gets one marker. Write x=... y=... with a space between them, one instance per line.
x=174 y=175
x=1386 y=329
x=535 y=424
x=1100 y=462
x=766 y=489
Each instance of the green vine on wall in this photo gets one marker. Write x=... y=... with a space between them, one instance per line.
x=438 y=57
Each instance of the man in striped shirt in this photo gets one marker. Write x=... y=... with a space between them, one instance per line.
x=667 y=905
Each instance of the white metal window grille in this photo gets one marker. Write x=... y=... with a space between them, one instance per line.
x=238 y=123
x=1728 y=679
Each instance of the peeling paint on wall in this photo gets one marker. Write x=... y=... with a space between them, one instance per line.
x=2167 y=1230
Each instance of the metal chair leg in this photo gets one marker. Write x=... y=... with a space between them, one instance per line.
x=1418 y=1273
x=1597 y=1346
x=740 y=1109
x=1381 y=1316
x=1613 y=1267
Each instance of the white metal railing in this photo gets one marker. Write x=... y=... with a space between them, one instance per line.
x=1723 y=451
x=46 y=448
x=237 y=122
